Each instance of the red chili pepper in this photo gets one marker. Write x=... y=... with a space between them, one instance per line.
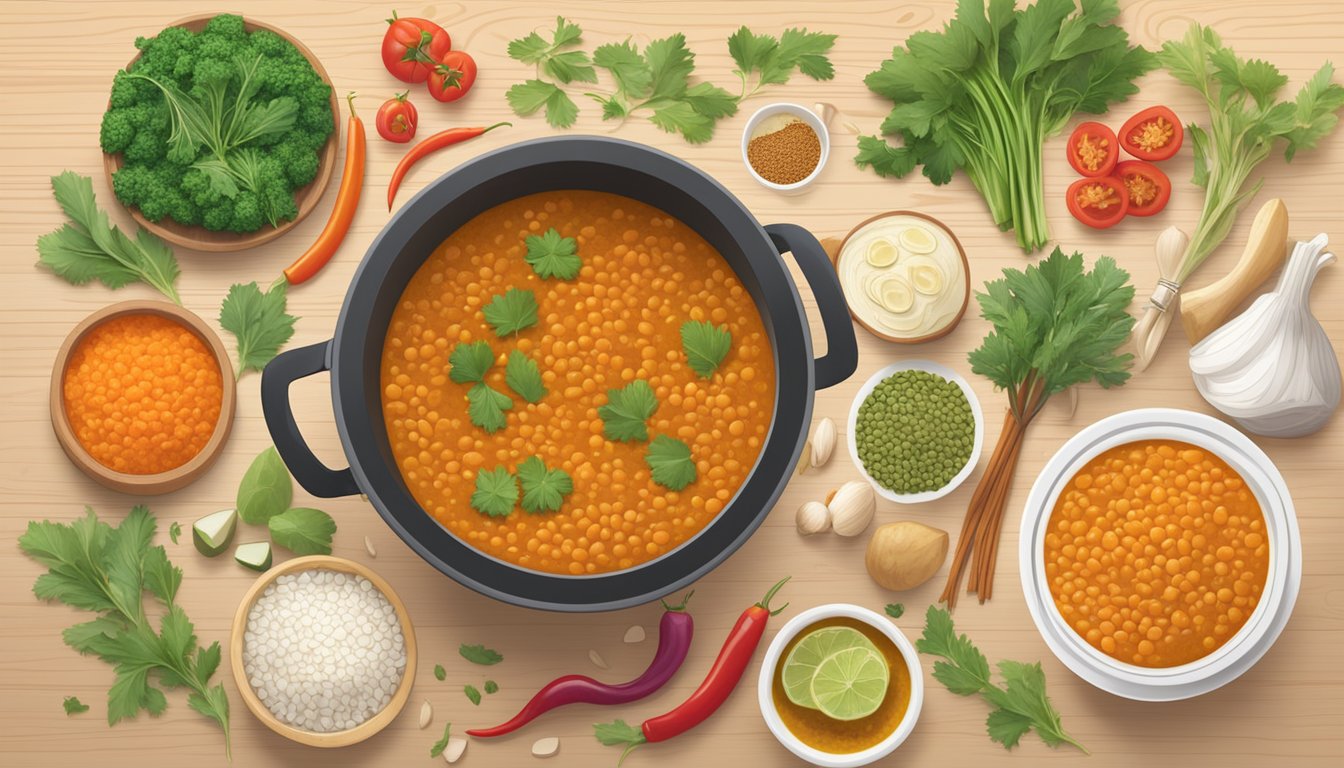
x=723 y=677
x=429 y=146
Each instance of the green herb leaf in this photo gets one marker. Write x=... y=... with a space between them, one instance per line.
x=442 y=743
x=440 y=673
x=523 y=377
x=258 y=322
x=266 y=489
x=73 y=706
x=533 y=48
x=895 y=610
x=479 y=654
x=303 y=531
x=671 y=462
x=544 y=490
x=496 y=493
x=627 y=410
x=570 y=67
x=511 y=311
x=470 y=361
x=491 y=686
x=705 y=345
x=627 y=67
x=486 y=407
x=527 y=97
x=884 y=159
x=174 y=531
x=472 y=694
x=751 y=51
x=553 y=256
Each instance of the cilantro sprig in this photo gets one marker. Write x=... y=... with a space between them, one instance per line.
x=705 y=345
x=258 y=322
x=496 y=492
x=552 y=255
x=773 y=60
x=470 y=361
x=523 y=376
x=627 y=410
x=544 y=488
x=670 y=462
x=486 y=406
x=511 y=312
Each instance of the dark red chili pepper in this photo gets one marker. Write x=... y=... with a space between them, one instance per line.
x=674 y=641
x=429 y=146
x=723 y=677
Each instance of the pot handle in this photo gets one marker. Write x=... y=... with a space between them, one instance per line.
x=842 y=353
x=288 y=367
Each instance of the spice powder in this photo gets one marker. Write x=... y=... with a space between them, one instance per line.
x=786 y=156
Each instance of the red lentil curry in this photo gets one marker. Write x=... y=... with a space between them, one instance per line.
x=616 y=322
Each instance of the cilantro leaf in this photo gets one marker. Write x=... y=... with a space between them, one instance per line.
x=670 y=66
x=627 y=67
x=523 y=377
x=552 y=255
x=442 y=743
x=472 y=694
x=895 y=610
x=479 y=654
x=750 y=51
x=527 y=97
x=681 y=117
x=544 y=489
x=470 y=361
x=496 y=492
x=627 y=410
x=705 y=345
x=258 y=322
x=303 y=531
x=670 y=461
x=534 y=49
x=570 y=67
x=884 y=159
x=511 y=311
x=486 y=407
x=73 y=706
x=806 y=51
x=491 y=686
x=174 y=530
x=440 y=673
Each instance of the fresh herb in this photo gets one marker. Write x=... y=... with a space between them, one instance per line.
x=985 y=92
x=1019 y=705
x=563 y=66
x=523 y=377
x=174 y=530
x=491 y=686
x=73 y=706
x=95 y=567
x=486 y=407
x=895 y=610
x=1055 y=325
x=440 y=673
x=1246 y=123
x=266 y=489
x=496 y=492
x=511 y=311
x=88 y=247
x=626 y=411
x=544 y=489
x=670 y=461
x=774 y=60
x=479 y=654
x=470 y=362
x=472 y=694
x=705 y=345
x=303 y=531
x=553 y=256
x=442 y=743
x=258 y=322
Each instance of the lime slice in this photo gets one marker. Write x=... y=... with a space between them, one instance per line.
x=803 y=660
x=850 y=684
x=918 y=240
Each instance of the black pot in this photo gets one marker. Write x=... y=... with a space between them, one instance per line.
x=588 y=163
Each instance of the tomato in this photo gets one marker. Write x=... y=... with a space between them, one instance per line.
x=453 y=76
x=412 y=47
x=1092 y=149
x=397 y=119
x=1099 y=203
x=1153 y=135
x=1147 y=189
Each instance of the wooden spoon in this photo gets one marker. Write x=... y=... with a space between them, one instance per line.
x=1204 y=309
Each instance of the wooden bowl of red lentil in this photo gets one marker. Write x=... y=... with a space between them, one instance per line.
x=142 y=396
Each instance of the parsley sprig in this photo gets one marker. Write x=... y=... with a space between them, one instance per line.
x=496 y=492
x=511 y=312
x=670 y=462
x=468 y=363
x=627 y=410
x=544 y=488
x=258 y=322
x=523 y=376
x=552 y=255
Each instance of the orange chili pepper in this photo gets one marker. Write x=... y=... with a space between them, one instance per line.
x=347 y=200
x=432 y=144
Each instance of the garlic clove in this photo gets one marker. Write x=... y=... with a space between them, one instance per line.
x=882 y=253
x=634 y=634
x=545 y=747
x=426 y=714
x=823 y=442
x=852 y=508
x=453 y=752
x=813 y=517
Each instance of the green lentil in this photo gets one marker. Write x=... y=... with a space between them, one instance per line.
x=914 y=432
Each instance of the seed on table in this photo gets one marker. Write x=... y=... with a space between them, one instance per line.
x=634 y=634
x=597 y=659
x=546 y=747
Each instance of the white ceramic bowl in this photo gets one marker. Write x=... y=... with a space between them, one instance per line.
x=802 y=113
x=1251 y=642
x=764 y=692
x=928 y=367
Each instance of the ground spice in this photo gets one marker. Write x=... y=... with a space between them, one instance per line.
x=786 y=156
x=143 y=394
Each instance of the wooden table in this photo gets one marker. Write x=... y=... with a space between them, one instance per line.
x=56 y=62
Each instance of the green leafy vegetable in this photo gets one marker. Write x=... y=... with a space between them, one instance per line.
x=303 y=531
x=258 y=322
x=442 y=743
x=705 y=345
x=73 y=706
x=523 y=377
x=1020 y=705
x=491 y=686
x=470 y=362
x=671 y=463
x=895 y=610
x=88 y=247
x=440 y=673
x=486 y=407
x=95 y=567
x=627 y=410
x=174 y=530
x=553 y=256
x=266 y=489
x=544 y=490
x=774 y=60
x=472 y=694
x=511 y=311
x=1246 y=124
x=496 y=492
x=528 y=97
x=479 y=654
x=983 y=94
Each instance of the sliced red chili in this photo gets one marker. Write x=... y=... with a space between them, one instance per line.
x=1147 y=189
x=1099 y=203
x=1155 y=134
x=1092 y=149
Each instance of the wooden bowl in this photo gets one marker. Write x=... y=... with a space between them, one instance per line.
x=335 y=738
x=835 y=247
x=306 y=197
x=162 y=482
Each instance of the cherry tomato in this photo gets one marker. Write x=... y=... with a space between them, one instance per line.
x=412 y=48
x=1099 y=202
x=1147 y=189
x=453 y=76
x=397 y=119
x=1092 y=149
x=1153 y=135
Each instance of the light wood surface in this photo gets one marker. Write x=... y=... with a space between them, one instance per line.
x=56 y=62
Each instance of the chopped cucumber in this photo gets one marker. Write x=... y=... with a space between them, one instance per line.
x=214 y=532
x=256 y=555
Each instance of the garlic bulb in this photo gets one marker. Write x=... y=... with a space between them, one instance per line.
x=852 y=508
x=1272 y=368
x=813 y=517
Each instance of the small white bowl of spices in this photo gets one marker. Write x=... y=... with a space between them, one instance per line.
x=785 y=146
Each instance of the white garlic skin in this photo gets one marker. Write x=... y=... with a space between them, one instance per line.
x=813 y=517
x=823 y=442
x=852 y=508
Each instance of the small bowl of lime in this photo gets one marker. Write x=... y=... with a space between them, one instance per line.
x=841 y=686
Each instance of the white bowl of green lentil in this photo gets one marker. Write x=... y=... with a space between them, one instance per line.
x=977 y=438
